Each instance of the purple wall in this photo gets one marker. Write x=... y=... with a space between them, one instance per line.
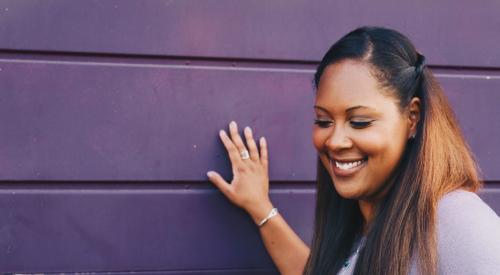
x=109 y=113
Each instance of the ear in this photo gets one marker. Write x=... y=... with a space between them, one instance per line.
x=413 y=116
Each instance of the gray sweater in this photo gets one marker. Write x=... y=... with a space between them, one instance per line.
x=468 y=235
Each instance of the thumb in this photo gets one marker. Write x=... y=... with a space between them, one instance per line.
x=219 y=182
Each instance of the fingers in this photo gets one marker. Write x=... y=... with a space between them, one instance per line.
x=235 y=145
x=233 y=152
x=219 y=182
x=252 y=146
x=235 y=136
x=264 y=159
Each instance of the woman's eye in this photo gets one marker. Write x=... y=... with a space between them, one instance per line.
x=323 y=123
x=360 y=124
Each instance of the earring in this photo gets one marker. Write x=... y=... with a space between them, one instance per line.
x=413 y=136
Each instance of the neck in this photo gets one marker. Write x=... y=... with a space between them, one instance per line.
x=368 y=210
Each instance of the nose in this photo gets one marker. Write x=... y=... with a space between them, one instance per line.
x=338 y=139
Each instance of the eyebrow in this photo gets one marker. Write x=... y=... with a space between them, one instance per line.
x=348 y=110
x=356 y=107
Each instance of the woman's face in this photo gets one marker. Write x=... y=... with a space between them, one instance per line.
x=360 y=132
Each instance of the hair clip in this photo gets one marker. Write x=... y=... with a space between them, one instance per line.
x=420 y=64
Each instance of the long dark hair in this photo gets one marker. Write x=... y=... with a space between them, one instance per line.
x=436 y=161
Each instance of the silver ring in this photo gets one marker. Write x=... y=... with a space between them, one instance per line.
x=244 y=154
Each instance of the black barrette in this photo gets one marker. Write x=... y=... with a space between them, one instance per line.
x=420 y=64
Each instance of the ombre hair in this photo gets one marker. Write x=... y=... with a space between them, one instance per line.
x=436 y=161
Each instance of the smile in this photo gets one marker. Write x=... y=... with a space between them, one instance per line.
x=348 y=165
x=347 y=168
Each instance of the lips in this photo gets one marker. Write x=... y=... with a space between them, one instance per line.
x=347 y=167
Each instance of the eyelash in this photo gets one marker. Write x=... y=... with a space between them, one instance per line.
x=360 y=124
x=354 y=124
x=322 y=123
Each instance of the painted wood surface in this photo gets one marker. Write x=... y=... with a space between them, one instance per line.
x=112 y=121
x=97 y=227
x=450 y=33
x=109 y=113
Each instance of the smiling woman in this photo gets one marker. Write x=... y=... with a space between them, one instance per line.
x=396 y=180
x=360 y=133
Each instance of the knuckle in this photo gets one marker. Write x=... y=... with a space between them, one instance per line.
x=241 y=168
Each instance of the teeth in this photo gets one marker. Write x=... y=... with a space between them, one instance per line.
x=348 y=165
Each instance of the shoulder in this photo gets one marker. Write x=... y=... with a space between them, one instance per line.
x=461 y=204
x=468 y=235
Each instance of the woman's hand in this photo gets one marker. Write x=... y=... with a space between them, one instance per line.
x=249 y=188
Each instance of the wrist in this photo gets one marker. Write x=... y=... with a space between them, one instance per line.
x=260 y=211
x=269 y=216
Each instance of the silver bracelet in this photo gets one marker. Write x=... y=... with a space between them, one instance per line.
x=271 y=214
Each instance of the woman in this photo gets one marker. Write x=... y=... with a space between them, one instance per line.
x=395 y=182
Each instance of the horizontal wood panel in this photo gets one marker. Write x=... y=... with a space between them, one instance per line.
x=90 y=227
x=447 y=32
x=474 y=103
x=120 y=228
x=67 y=120
x=197 y=272
x=113 y=121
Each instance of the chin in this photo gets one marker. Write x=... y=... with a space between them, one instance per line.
x=348 y=193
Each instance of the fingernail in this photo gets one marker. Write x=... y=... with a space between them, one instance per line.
x=222 y=132
x=210 y=173
x=263 y=141
x=248 y=130
x=232 y=124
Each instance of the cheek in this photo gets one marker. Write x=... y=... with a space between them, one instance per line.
x=373 y=143
x=319 y=137
x=384 y=149
x=382 y=141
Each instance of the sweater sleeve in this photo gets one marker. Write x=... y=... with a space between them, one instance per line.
x=468 y=235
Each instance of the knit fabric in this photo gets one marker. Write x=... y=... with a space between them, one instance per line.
x=468 y=235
